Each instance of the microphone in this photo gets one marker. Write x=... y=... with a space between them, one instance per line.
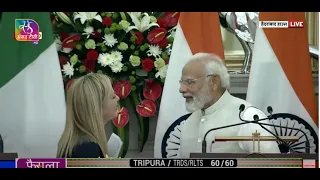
x=270 y=110
x=256 y=121
x=241 y=108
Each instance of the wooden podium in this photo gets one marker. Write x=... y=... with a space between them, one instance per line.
x=255 y=138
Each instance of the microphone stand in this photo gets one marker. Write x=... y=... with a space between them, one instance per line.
x=256 y=118
x=257 y=121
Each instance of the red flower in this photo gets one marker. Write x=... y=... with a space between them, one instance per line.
x=107 y=21
x=96 y=35
x=122 y=88
x=63 y=60
x=172 y=18
x=71 y=41
x=152 y=90
x=89 y=64
x=147 y=108
x=139 y=39
x=162 y=22
x=156 y=35
x=163 y=43
x=147 y=64
x=92 y=55
x=122 y=118
x=63 y=36
x=90 y=61
x=169 y=19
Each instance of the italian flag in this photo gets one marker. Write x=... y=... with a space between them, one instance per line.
x=281 y=75
x=196 y=32
x=32 y=102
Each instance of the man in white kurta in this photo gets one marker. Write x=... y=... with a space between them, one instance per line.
x=204 y=84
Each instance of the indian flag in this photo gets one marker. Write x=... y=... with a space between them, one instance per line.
x=281 y=76
x=196 y=32
x=32 y=103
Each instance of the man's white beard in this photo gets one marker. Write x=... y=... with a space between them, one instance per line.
x=199 y=100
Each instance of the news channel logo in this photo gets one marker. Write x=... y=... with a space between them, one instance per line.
x=27 y=30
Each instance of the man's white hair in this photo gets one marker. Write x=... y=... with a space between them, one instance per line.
x=214 y=66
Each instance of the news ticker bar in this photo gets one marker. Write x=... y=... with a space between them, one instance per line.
x=150 y=163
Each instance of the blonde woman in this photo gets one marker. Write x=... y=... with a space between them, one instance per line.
x=91 y=101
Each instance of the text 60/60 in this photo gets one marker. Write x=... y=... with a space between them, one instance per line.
x=222 y=162
x=183 y=162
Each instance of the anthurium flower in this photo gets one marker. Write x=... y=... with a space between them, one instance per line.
x=152 y=90
x=122 y=88
x=122 y=118
x=156 y=35
x=172 y=18
x=147 y=108
x=71 y=41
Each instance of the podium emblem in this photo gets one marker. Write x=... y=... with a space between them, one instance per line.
x=171 y=140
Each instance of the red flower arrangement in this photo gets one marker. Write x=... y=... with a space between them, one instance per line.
x=131 y=47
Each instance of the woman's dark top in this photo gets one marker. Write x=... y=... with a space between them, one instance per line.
x=87 y=150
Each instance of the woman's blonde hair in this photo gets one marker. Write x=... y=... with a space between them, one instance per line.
x=84 y=120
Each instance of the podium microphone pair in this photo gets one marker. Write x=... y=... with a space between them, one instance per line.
x=256 y=120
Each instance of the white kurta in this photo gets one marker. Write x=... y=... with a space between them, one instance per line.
x=222 y=113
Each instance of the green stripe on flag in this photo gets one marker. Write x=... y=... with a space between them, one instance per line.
x=15 y=55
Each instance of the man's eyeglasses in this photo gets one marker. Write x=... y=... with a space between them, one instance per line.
x=189 y=82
